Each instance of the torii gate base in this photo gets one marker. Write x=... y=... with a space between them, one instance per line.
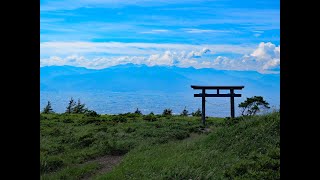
x=204 y=95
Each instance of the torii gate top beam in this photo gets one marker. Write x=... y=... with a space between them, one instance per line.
x=216 y=87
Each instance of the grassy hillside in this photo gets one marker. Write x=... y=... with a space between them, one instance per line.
x=158 y=147
x=68 y=141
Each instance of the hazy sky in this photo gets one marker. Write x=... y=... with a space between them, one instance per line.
x=221 y=34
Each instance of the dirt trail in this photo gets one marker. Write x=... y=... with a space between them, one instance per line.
x=107 y=162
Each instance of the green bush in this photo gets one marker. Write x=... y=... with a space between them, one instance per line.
x=43 y=117
x=68 y=120
x=119 y=118
x=231 y=121
x=120 y=148
x=197 y=113
x=50 y=164
x=130 y=130
x=91 y=113
x=167 y=112
x=132 y=116
x=85 y=141
x=150 y=118
x=258 y=166
x=89 y=120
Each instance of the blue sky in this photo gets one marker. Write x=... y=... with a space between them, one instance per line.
x=221 y=34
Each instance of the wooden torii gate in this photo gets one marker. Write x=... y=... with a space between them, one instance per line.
x=204 y=95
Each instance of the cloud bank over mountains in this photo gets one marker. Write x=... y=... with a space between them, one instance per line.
x=264 y=58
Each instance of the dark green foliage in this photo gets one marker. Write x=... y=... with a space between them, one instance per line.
x=151 y=113
x=74 y=172
x=132 y=116
x=150 y=118
x=184 y=112
x=42 y=117
x=48 y=109
x=257 y=166
x=119 y=118
x=232 y=121
x=197 y=113
x=70 y=106
x=138 y=112
x=50 y=163
x=252 y=105
x=130 y=130
x=89 y=120
x=68 y=120
x=91 y=113
x=167 y=112
x=84 y=141
x=79 y=108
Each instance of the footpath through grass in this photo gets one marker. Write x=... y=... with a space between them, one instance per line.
x=68 y=141
x=161 y=147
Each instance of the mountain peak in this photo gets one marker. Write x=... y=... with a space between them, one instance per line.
x=128 y=65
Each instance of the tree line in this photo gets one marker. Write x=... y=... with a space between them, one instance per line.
x=251 y=106
x=72 y=108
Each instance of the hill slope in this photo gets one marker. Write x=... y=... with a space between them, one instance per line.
x=249 y=149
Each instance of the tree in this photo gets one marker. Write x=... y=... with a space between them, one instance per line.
x=197 y=113
x=79 y=108
x=252 y=105
x=184 y=112
x=48 y=109
x=167 y=112
x=138 y=112
x=92 y=113
x=70 y=106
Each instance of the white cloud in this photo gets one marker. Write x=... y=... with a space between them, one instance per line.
x=260 y=32
x=94 y=63
x=166 y=59
x=198 y=54
x=266 y=51
x=265 y=58
x=274 y=63
x=48 y=49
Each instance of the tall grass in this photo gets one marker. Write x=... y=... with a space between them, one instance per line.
x=248 y=148
x=67 y=141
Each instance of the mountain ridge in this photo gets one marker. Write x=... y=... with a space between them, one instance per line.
x=132 y=77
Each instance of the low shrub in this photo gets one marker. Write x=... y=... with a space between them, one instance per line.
x=119 y=118
x=150 y=118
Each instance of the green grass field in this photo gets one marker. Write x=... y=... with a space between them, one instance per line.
x=158 y=147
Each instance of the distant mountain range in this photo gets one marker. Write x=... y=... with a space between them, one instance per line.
x=139 y=78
